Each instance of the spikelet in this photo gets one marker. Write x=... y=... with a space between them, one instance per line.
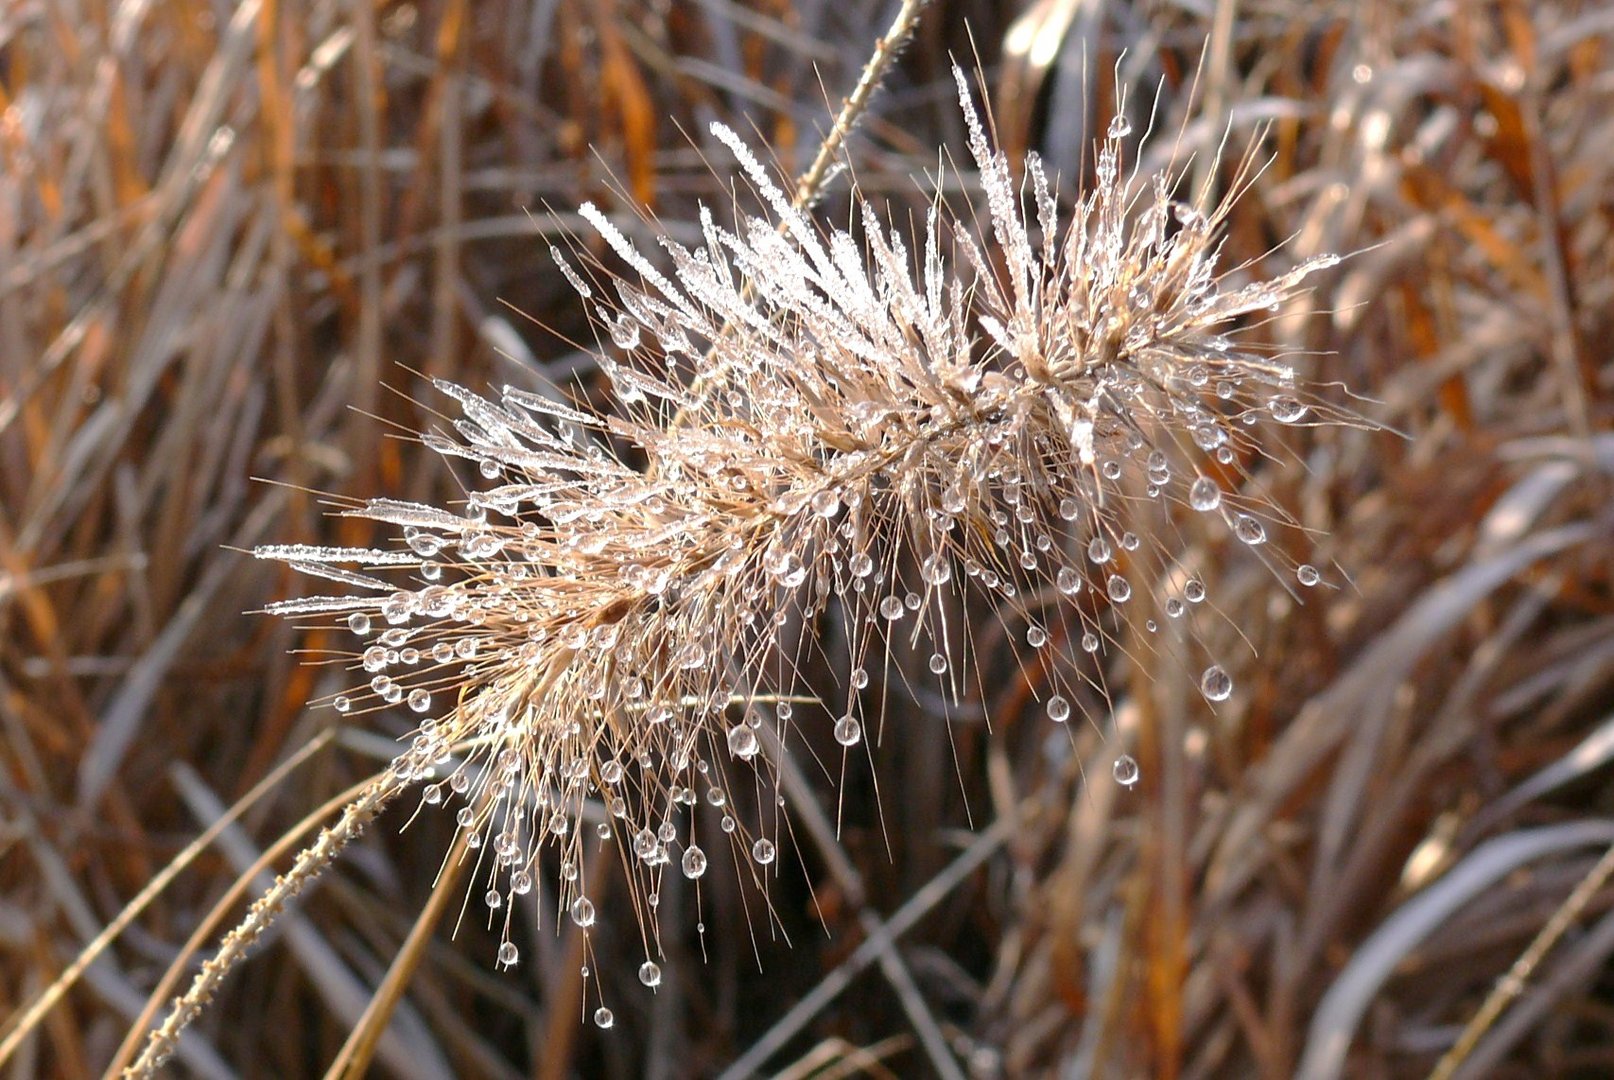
x=831 y=425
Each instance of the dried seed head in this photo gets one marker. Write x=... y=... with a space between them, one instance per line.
x=832 y=425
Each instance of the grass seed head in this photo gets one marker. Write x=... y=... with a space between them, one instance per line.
x=830 y=422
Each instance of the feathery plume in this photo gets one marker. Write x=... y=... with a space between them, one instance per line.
x=831 y=423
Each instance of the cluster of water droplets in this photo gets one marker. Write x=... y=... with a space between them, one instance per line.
x=597 y=655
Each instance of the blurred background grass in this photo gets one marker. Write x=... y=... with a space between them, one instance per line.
x=236 y=236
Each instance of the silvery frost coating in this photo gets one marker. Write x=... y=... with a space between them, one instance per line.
x=1013 y=419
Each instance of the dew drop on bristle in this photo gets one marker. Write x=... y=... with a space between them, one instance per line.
x=1204 y=494
x=1216 y=684
x=693 y=862
x=1126 y=771
x=848 y=731
x=359 y=623
x=509 y=954
x=650 y=974
x=1118 y=588
x=625 y=332
x=583 y=911
x=763 y=851
x=1286 y=409
x=603 y=1017
x=1307 y=575
x=1058 y=709
x=742 y=742
x=1249 y=530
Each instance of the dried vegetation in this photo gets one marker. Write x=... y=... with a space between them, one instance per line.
x=219 y=242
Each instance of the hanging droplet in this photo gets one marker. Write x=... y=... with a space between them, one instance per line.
x=359 y=623
x=848 y=731
x=1068 y=581
x=694 y=862
x=603 y=1017
x=936 y=570
x=938 y=663
x=763 y=851
x=742 y=742
x=1098 y=550
x=1216 y=684
x=1120 y=127
x=891 y=607
x=419 y=700
x=1307 y=575
x=1119 y=589
x=1126 y=770
x=650 y=973
x=1286 y=409
x=1249 y=530
x=1036 y=636
x=509 y=954
x=341 y=703
x=1058 y=709
x=625 y=332
x=1090 y=642
x=583 y=911
x=1204 y=494
x=826 y=502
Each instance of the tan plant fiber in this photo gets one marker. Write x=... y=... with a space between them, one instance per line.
x=809 y=421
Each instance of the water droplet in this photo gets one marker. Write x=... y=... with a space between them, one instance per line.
x=1286 y=409
x=1119 y=589
x=359 y=623
x=1036 y=637
x=860 y=678
x=891 y=607
x=861 y=564
x=583 y=911
x=1216 y=684
x=1204 y=494
x=1098 y=550
x=1069 y=509
x=1090 y=642
x=742 y=742
x=1111 y=470
x=786 y=566
x=650 y=973
x=341 y=703
x=1120 y=127
x=603 y=1017
x=763 y=851
x=509 y=954
x=625 y=332
x=694 y=862
x=1249 y=530
x=1307 y=575
x=1193 y=590
x=1058 y=709
x=848 y=731
x=1126 y=770
x=938 y=663
x=420 y=700
x=826 y=502
x=1174 y=608
x=1068 y=581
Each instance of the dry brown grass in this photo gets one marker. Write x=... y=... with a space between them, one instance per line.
x=219 y=240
